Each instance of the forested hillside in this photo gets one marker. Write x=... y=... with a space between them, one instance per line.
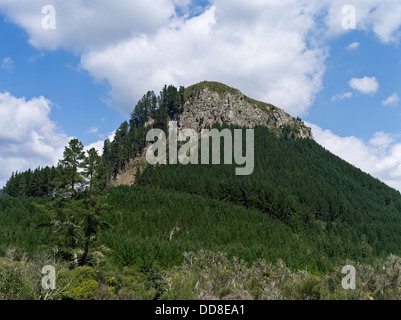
x=316 y=194
x=191 y=231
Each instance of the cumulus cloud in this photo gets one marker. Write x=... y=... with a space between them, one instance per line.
x=342 y=96
x=230 y=42
x=383 y=17
x=380 y=157
x=391 y=100
x=353 y=46
x=88 y=24
x=265 y=48
x=365 y=85
x=98 y=145
x=28 y=138
x=269 y=49
x=381 y=139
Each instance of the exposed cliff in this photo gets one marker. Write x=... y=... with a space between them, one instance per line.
x=210 y=102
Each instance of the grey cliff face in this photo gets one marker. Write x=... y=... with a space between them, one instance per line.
x=207 y=107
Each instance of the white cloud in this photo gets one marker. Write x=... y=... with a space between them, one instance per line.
x=83 y=24
x=28 y=138
x=365 y=85
x=353 y=46
x=380 y=157
x=391 y=100
x=88 y=24
x=7 y=63
x=264 y=48
x=381 y=140
x=244 y=48
x=98 y=145
x=268 y=49
x=342 y=96
x=383 y=17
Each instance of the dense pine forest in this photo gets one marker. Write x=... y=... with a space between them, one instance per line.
x=305 y=187
x=199 y=231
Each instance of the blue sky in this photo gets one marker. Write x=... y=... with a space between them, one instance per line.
x=362 y=115
x=83 y=78
x=80 y=103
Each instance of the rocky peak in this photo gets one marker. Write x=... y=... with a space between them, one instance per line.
x=206 y=103
x=210 y=102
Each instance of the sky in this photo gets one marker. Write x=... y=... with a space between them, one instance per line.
x=77 y=68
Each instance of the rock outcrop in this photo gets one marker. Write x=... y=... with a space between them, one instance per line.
x=205 y=105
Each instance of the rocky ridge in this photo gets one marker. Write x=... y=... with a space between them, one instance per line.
x=210 y=102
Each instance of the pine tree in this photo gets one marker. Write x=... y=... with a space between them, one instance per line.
x=71 y=163
x=72 y=177
x=94 y=171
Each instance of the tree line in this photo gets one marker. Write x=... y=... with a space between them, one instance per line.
x=76 y=171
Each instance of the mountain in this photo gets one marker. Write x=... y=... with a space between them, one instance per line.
x=334 y=209
x=201 y=105
x=295 y=221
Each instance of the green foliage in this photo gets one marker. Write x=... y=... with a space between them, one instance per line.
x=13 y=284
x=73 y=160
x=130 y=139
x=142 y=220
x=40 y=182
x=332 y=208
x=80 y=283
x=94 y=172
x=292 y=224
x=20 y=274
x=202 y=275
x=23 y=226
x=213 y=86
x=156 y=280
x=212 y=275
x=65 y=179
x=74 y=213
